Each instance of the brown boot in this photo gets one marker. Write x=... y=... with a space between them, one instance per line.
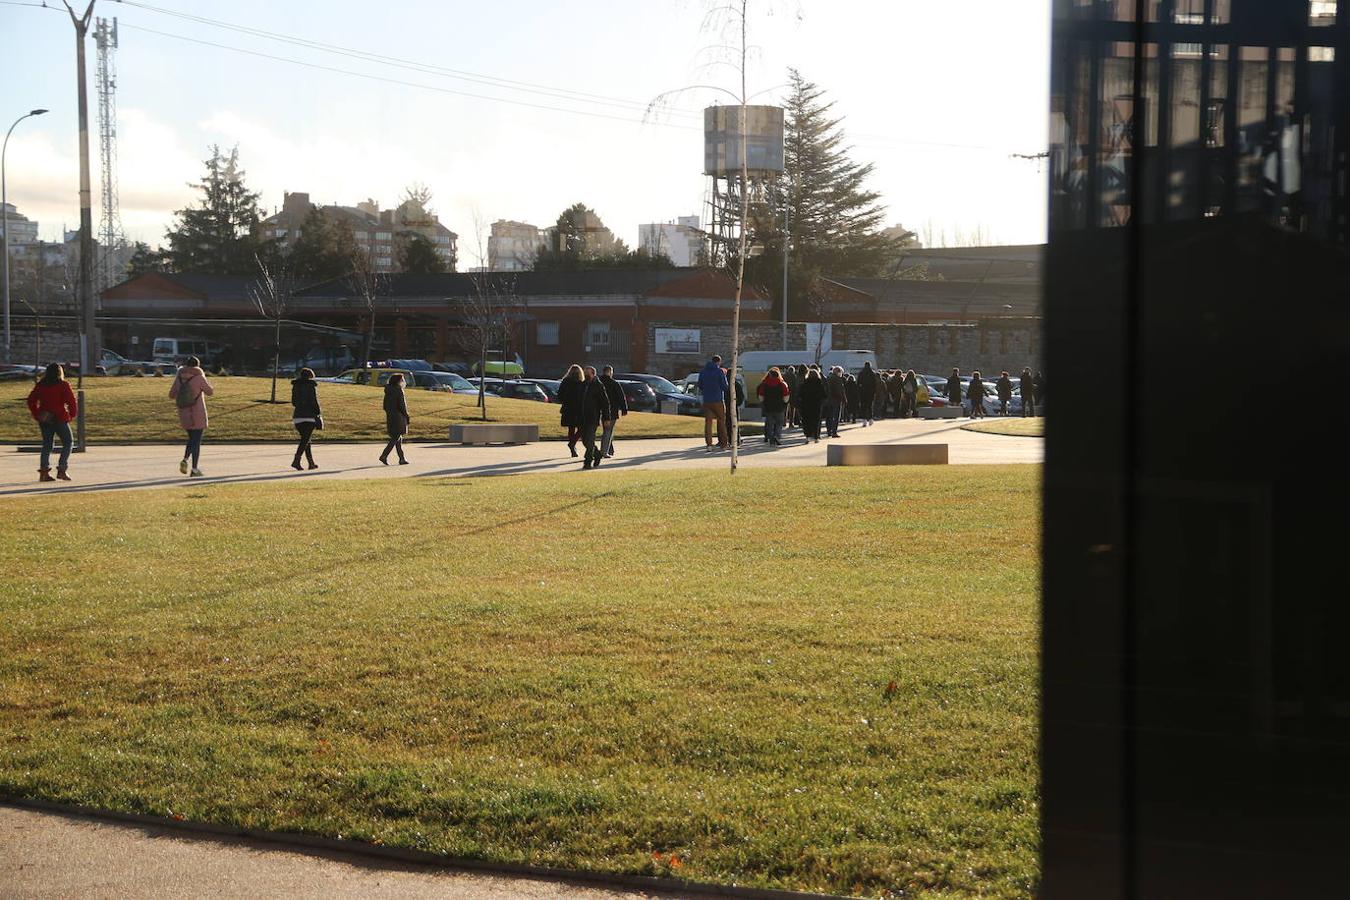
x=61 y=473
x=45 y=475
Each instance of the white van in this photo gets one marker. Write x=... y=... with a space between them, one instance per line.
x=755 y=364
x=175 y=350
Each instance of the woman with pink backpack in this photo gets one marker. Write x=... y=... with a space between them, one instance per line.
x=189 y=392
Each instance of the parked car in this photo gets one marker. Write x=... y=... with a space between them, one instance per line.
x=407 y=365
x=549 y=385
x=640 y=396
x=176 y=350
x=114 y=363
x=666 y=392
x=376 y=377
x=513 y=389
x=327 y=362
x=427 y=381
x=455 y=383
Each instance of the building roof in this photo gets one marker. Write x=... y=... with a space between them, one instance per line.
x=965 y=298
x=1014 y=263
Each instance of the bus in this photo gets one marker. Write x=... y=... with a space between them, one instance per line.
x=755 y=364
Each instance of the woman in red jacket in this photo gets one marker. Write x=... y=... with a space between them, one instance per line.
x=52 y=404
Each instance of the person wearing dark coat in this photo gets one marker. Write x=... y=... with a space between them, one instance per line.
x=790 y=378
x=1003 y=387
x=867 y=392
x=954 y=388
x=1028 y=389
x=1039 y=384
x=569 y=403
x=618 y=406
x=594 y=410
x=851 y=398
x=740 y=405
x=307 y=417
x=395 y=418
x=835 y=398
x=975 y=394
x=811 y=396
x=895 y=386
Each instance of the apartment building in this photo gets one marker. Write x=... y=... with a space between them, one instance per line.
x=377 y=231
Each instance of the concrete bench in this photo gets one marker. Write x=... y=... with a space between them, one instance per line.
x=886 y=455
x=941 y=412
x=494 y=433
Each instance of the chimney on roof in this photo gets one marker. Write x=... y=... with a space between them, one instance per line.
x=369 y=207
x=295 y=204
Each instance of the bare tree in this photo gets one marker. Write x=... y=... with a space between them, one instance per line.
x=271 y=293
x=364 y=281
x=728 y=21
x=484 y=313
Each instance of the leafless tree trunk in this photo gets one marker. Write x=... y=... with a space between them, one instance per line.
x=364 y=282
x=271 y=294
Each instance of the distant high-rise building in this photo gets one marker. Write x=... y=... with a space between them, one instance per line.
x=512 y=246
x=376 y=231
x=681 y=241
x=22 y=230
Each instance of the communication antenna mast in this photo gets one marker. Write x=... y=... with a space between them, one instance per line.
x=111 y=237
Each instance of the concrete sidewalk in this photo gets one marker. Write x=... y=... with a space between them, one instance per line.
x=51 y=855
x=156 y=465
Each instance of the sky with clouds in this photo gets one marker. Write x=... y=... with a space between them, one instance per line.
x=516 y=110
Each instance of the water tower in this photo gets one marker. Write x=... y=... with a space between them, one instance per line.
x=722 y=157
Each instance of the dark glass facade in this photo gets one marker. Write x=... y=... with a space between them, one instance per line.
x=1196 y=682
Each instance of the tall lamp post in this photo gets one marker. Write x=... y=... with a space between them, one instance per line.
x=4 y=205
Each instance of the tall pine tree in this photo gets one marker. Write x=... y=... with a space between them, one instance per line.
x=221 y=235
x=837 y=225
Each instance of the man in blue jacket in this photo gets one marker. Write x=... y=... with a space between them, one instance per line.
x=712 y=383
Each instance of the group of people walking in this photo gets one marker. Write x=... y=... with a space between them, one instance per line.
x=591 y=402
x=591 y=405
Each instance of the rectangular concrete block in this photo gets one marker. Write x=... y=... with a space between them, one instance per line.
x=494 y=433
x=941 y=412
x=886 y=455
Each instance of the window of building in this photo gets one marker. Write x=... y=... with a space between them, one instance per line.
x=597 y=334
x=442 y=239
x=546 y=334
x=384 y=235
x=363 y=235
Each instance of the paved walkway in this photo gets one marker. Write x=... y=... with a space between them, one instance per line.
x=50 y=855
x=156 y=465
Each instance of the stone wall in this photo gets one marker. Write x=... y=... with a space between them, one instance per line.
x=990 y=345
x=56 y=346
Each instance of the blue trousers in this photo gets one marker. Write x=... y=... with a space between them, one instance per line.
x=50 y=432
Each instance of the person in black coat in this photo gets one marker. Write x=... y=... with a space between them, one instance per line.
x=306 y=416
x=594 y=410
x=618 y=406
x=1039 y=383
x=867 y=392
x=954 y=388
x=1028 y=390
x=975 y=394
x=791 y=379
x=810 y=398
x=570 y=390
x=852 y=397
x=739 y=390
x=395 y=418
x=1003 y=387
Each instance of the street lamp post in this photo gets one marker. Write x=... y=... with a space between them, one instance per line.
x=4 y=206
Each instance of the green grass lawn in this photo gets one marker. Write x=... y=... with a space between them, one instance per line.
x=1015 y=426
x=129 y=410
x=786 y=678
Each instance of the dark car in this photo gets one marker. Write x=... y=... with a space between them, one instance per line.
x=640 y=396
x=513 y=389
x=666 y=392
x=550 y=386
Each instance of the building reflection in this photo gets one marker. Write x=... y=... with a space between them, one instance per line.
x=1224 y=107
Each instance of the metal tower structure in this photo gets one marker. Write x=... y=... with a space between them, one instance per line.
x=112 y=240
